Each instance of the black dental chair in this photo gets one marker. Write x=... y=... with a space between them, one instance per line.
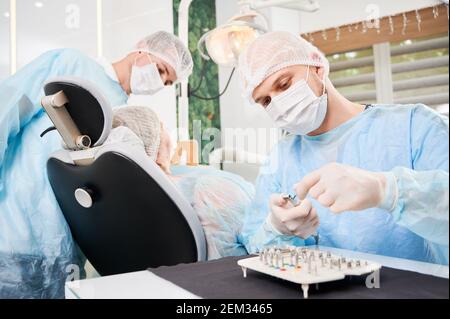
x=123 y=211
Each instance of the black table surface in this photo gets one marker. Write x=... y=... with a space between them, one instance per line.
x=223 y=279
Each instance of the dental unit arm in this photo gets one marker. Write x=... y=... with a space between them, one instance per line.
x=55 y=107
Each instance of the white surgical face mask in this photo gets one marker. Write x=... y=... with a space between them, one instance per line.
x=298 y=110
x=145 y=80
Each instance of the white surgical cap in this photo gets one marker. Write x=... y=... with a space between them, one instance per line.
x=273 y=52
x=143 y=122
x=171 y=50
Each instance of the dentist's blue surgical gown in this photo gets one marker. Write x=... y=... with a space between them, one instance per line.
x=410 y=141
x=37 y=252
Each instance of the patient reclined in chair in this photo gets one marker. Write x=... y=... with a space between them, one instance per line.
x=219 y=198
x=115 y=203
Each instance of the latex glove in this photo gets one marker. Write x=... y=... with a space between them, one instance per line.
x=301 y=221
x=343 y=188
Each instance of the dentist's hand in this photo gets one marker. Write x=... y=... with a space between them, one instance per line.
x=343 y=188
x=301 y=221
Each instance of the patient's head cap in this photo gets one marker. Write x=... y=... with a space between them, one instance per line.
x=170 y=49
x=273 y=52
x=144 y=123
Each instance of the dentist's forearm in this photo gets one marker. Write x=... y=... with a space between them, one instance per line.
x=419 y=201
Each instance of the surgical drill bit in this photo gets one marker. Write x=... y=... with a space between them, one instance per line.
x=305 y=254
x=309 y=265
x=272 y=256
x=292 y=256
x=298 y=252
x=316 y=239
x=278 y=259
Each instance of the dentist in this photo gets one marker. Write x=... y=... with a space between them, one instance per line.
x=158 y=60
x=375 y=176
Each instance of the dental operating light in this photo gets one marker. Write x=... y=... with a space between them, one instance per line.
x=225 y=43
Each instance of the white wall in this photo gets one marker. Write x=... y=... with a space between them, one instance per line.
x=127 y=22
x=54 y=24
x=4 y=39
x=334 y=13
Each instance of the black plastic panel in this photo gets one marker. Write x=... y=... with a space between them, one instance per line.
x=132 y=225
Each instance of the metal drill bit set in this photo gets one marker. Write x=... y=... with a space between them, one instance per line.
x=303 y=258
x=306 y=266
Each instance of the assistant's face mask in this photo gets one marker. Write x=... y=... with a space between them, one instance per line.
x=145 y=80
x=298 y=110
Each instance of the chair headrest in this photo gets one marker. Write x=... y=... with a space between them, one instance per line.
x=87 y=106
